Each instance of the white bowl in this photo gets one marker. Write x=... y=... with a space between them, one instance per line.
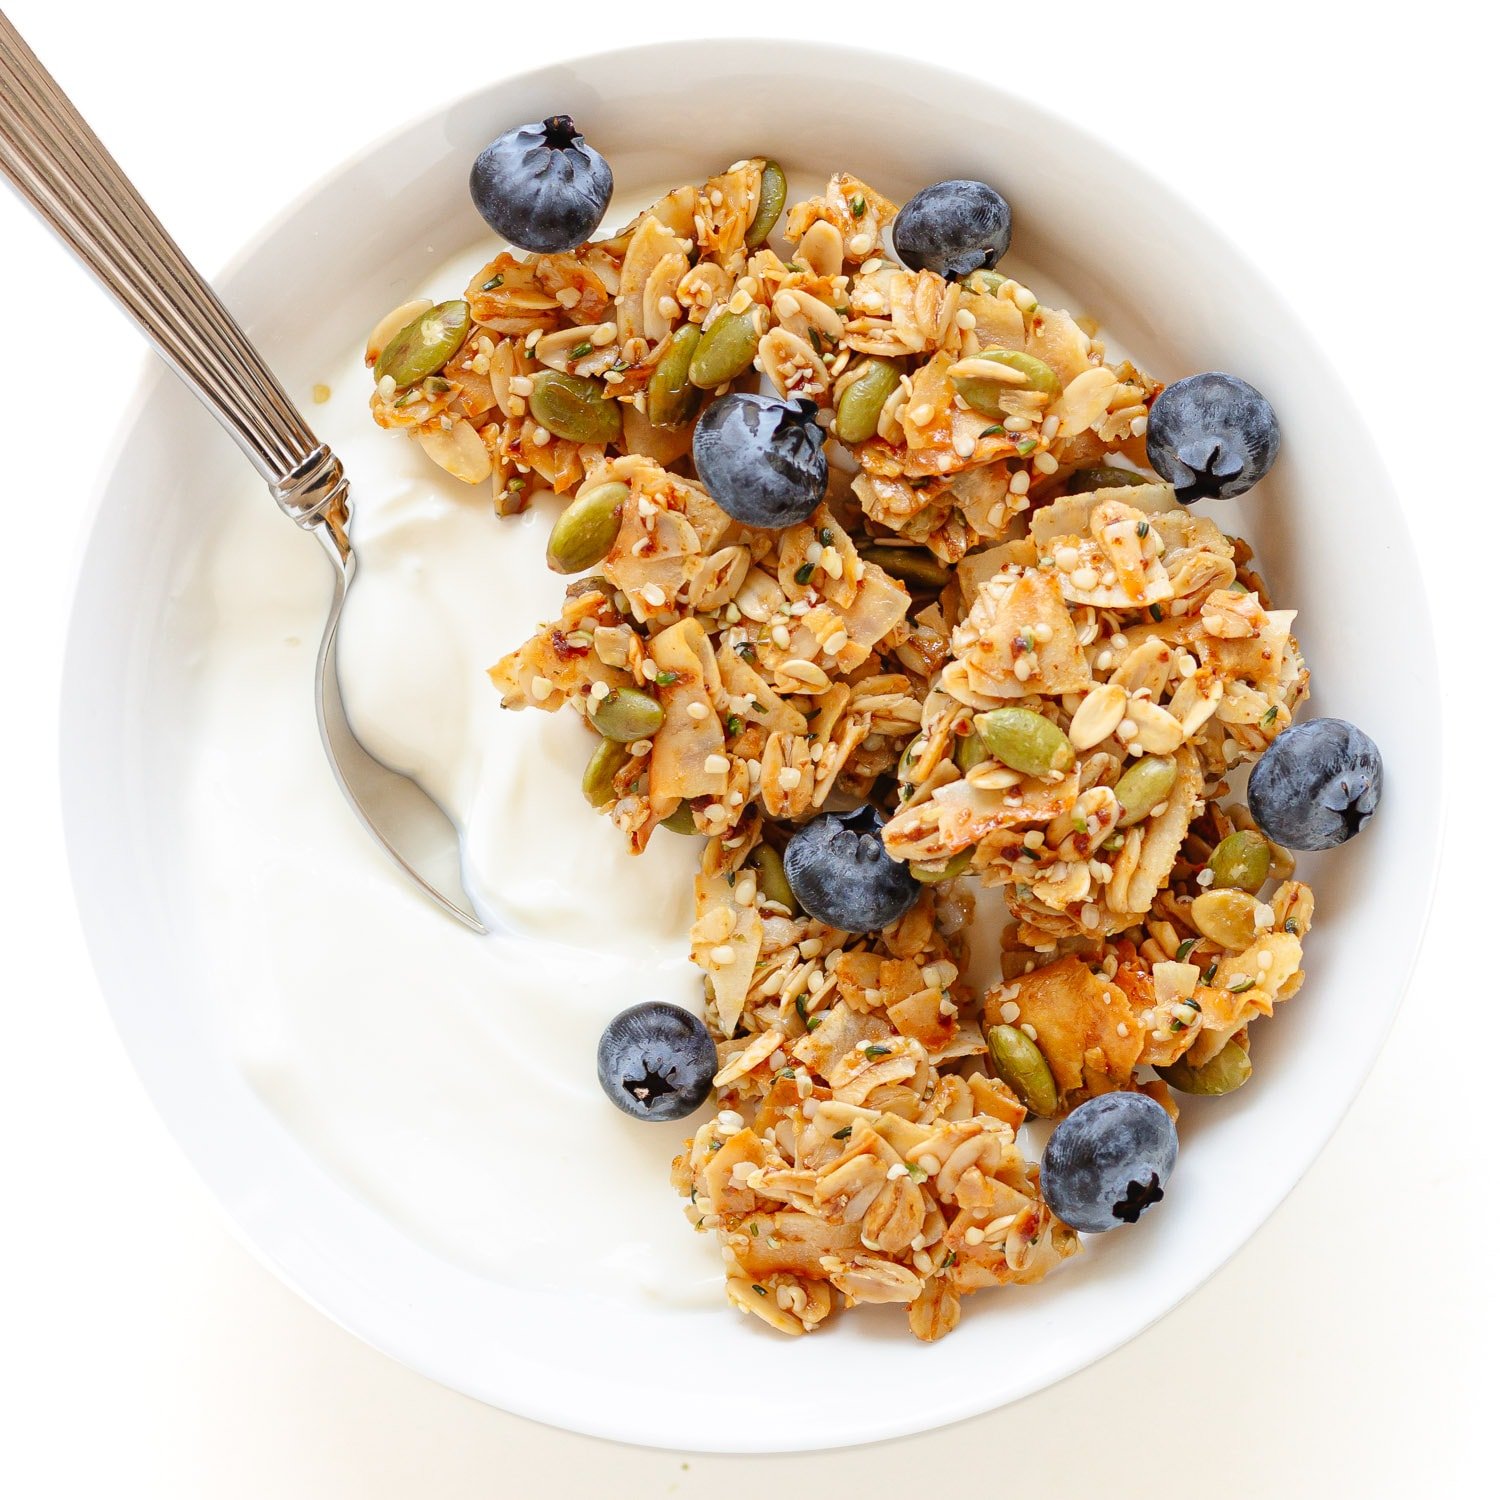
x=1332 y=540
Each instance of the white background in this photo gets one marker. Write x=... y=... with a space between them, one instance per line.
x=143 y=1352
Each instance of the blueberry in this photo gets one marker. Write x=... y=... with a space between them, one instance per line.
x=762 y=459
x=1211 y=435
x=839 y=871
x=541 y=186
x=657 y=1061
x=1108 y=1161
x=953 y=228
x=1317 y=785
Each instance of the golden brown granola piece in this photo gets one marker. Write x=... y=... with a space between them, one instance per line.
x=1083 y=1024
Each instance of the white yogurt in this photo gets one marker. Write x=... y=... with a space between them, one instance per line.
x=446 y=1078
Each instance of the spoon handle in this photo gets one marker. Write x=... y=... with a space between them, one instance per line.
x=58 y=165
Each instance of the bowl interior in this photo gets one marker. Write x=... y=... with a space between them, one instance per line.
x=1166 y=287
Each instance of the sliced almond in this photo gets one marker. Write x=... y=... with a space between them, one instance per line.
x=556 y=350
x=986 y=369
x=391 y=324
x=458 y=449
x=994 y=777
x=759 y=597
x=1098 y=716
x=1084 y=401
x=1226 y=918
x=1156 y=731
x=821 y=249
x=801 y=311
x=1196 y=701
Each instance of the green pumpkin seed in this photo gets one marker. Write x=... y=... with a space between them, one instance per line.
x=774 y=885
x=671 y=398
x=1146 y=783
x=1221 y=1074
x=1025 y=741
x=862 y=400
x=626 y=714
x=913 y=565
x=425 y=345
x=680 y=819
x=985 y=283
x=971 y=751
x=909 y=757
x=595 y=583
x=1021 y=1067
x=1103 y=477
x=985 y=395
x=1241 y=861
x=513 y=498
x=583 y=534
x=599 y=775
x=574 y=408
x=768 y=210
x=724 y=351
x=935 y=874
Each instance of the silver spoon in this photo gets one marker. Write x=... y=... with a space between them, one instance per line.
x=57 y=164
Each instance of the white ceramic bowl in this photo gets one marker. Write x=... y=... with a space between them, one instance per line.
x=1330 y=533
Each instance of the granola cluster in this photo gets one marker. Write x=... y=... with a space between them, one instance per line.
x=964 y=560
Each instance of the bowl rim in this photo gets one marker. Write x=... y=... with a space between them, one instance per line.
x=753 y=53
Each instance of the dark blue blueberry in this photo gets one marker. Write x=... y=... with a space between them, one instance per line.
x=1211 y=435
x=1317 y=785
x=541 y=186
x=657 y=1061
x=762 y=459
x=840 y=873
x=953 y=228
x=1108 y=1161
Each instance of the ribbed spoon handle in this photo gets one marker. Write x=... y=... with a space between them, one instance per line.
x=59 y=166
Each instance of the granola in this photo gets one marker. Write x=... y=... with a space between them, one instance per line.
x=964 y=560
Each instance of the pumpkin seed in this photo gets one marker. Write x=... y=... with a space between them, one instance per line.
x=1103 y=477
x=1226 y=918
x=913 y=565
x=574 y=408
x=724 y=351
x=985 y=283
x=583 y=534
x=671 y=398
x=680 y=819
x=1025 y=741
x=1022 y=1068
x=774 y=885
x=933 y=874
x=599 y=775
x=1221 y=1074
x=1242 y=861
x=984 y=395
x=1146 y=783
x=768 y=210
x=909 y=757
x=972 y=751
x=626 y=714
x=425 y=345
x=862 y=400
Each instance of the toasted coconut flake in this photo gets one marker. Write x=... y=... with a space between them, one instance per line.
x=859 y=1147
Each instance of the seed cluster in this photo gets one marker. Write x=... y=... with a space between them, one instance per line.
x=995 y=627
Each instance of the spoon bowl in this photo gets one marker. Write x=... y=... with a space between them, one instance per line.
x=57 y=164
